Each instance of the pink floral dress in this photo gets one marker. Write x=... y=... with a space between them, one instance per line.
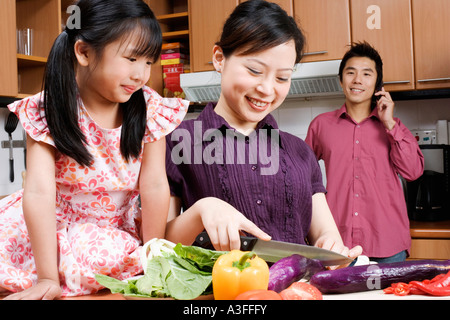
x=97 y=211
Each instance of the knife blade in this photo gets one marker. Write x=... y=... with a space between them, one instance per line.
x=272 y=251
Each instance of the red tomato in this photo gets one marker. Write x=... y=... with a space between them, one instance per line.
x=301 y=291
x=259 y=295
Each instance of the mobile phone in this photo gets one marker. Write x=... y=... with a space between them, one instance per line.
x=378 y=88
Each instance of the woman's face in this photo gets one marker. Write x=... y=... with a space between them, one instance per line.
x=253 y=85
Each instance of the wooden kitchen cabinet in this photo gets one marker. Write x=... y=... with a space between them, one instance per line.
x=206 y=19
x=430 y=240
x=326 y=25
x=432 y=43
x=387 y=25
x=8 y=66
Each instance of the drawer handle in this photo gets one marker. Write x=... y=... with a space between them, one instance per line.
x=431 y=80
x=314 y=53
x=397 y=82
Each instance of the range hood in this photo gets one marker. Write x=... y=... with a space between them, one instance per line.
x=310 y=79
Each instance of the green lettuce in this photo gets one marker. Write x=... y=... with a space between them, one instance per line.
x=183 y=274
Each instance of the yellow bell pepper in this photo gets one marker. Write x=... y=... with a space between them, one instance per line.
x=237 y=272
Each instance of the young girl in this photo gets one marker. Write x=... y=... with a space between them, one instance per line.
x=95 y=142
x=255 y=56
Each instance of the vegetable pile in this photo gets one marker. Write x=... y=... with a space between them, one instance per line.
x=438 y=286
x=176 y=271
x=380 y=276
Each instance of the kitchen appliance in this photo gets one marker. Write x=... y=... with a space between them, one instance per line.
x=272 y=251
x=428 y=198
x=310 y=79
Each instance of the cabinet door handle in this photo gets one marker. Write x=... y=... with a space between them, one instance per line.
x=397 y=82
x=314 y=53
x=431 y=80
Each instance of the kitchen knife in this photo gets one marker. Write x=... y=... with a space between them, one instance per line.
x=272 y=251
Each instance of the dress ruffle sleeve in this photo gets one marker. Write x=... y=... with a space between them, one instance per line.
x=32 y=118
x=163 y=114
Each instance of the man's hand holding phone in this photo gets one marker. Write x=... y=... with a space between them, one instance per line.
x=385 y=107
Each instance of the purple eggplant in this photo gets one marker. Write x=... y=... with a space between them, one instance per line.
x=286 y=271
x=378 y=276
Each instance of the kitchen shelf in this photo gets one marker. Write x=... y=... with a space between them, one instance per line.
x=173 y=16
x=30 y=61
x=175 y=34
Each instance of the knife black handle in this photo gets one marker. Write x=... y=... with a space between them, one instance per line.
x=11 y=170
x=203 y=240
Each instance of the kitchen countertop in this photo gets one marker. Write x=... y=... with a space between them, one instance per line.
x=367 y=295
x=430 y=230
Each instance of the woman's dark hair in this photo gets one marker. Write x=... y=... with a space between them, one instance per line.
x=365 y=50
x=258 y=25
x=101 y=23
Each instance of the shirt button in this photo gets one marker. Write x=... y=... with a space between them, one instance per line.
x=356 y=214
x=258 y=202
x=254 y=168
x=357 y=177
x=357 y=195
x=357 y=141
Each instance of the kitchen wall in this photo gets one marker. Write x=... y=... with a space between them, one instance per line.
x=293 y=116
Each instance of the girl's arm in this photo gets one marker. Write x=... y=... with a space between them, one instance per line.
x=39 y=213
x=324 y=232
x=154 y=190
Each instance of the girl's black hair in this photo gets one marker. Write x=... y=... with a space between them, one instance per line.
x=101 y=23
x=258 y=25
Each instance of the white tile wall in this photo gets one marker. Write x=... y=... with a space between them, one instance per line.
x=293 y=116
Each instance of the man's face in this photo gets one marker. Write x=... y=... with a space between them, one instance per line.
x=359 y=78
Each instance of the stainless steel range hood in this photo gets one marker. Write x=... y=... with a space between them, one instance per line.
x=310 y=79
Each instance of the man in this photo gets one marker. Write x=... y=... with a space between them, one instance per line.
x=364 y=149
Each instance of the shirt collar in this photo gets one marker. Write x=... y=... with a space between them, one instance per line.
x=342 y=112
x=211 y=120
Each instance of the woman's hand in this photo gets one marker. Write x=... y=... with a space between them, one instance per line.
x=225 y=224
x=44 y=290
x=332 y=244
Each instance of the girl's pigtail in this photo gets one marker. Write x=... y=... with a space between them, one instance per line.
x=60 y=100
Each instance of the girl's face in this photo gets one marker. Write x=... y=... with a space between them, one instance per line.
x=115 y=75
x=253 y=85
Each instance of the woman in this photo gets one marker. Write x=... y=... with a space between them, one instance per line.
x=231 y=169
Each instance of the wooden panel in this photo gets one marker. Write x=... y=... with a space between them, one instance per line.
x=432 y=42
x=206 y=19
x=326 y=25
x=393 y=39
x=8 y=65
x=435 y=230
x=430 y=249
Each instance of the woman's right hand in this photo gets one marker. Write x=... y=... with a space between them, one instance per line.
x=44 y=290
x=225 y=224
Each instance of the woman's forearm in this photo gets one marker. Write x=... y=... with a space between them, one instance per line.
x=322 y=221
